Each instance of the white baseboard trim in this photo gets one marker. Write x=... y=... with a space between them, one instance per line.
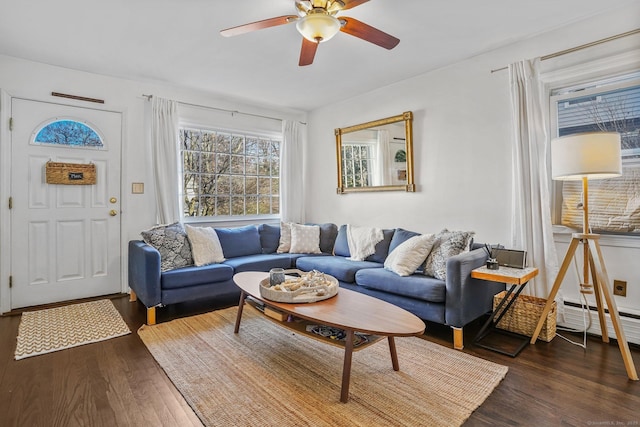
x=573 y=318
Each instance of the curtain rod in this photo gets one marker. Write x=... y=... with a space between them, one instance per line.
x=224 y=110
x=582 y=46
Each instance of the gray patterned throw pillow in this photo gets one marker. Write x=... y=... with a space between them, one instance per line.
x=448 y=244
x=172 y=243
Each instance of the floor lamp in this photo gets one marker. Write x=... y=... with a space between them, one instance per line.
x=584 y=157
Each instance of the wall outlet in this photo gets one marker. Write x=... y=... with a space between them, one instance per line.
x=620 y=288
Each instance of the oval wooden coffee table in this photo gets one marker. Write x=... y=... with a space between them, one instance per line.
x=349 y=310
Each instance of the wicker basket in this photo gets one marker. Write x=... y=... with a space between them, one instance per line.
x=70 y=173
x=522 y=317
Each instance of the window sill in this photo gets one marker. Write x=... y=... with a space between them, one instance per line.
x=562 y=234
x=231 y=221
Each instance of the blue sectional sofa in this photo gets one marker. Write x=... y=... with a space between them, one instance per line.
x=455 y=302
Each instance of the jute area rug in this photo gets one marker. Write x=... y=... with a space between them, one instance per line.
x=269 y=376
x=53 y=329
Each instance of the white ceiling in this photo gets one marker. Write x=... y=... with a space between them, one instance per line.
x=178 y=41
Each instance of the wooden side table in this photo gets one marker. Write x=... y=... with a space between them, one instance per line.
x=518 y=279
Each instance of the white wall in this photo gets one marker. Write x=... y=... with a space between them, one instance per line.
x=462 y=140
x=25 y=79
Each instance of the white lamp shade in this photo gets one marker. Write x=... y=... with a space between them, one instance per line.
x=318 y=27
x=595 y=155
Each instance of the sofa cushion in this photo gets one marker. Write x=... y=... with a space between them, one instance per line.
x=328 y=233
x=172 y=243
x=305 y=239
x=262 y=262
x=416 y=286
x=341 y=247
x=205 y=245
x=239 y=241
x=339 y=267
x=269 y=237
x=382 y=248
x=193 y=276
x=449 y=243
x=400 y=236
x=410 y=254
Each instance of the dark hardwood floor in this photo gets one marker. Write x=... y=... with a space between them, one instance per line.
x=118 y=383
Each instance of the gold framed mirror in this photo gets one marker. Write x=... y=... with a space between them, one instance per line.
x=376 y=156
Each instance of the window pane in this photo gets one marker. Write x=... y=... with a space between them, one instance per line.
x=264 y=186
x=207 y=206
x=237 y=185
x=613 y=111
x=223 y=163
x=208 y=162
x=237 y=206
x=207 y=141
x=264 y=166
x=224 y=173
x=207 y=184
x=190 y=161
x=251 y=165
x=614 y=204
x=224 y=184
x=251 y=205
x=223 y=143
x=190 y=183
x=251 y=186
x=223 y=205
x=252 y=147
x=68 y=133
x=190 y=206
x=237 y=164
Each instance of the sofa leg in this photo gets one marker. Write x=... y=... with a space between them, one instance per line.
x=132 y=295
x=457 y=338
x=151 y=316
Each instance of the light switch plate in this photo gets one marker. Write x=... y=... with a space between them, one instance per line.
x=137 y=188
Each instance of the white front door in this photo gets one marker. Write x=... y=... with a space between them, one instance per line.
x=65 y=239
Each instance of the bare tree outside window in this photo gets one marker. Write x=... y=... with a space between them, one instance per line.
x=228 y=174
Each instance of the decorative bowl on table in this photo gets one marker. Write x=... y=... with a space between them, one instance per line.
x=311 y=286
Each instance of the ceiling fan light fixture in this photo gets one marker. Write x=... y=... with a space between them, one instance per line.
x=318 y=27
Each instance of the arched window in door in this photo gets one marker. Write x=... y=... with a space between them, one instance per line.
x=68 y=133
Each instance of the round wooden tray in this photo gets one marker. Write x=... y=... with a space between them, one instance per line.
x=310 y=294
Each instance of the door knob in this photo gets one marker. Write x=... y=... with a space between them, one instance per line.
x=113 y=212
x=113 y=200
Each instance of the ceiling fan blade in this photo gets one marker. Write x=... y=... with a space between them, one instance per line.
x=258 y=25
x=350 y=4
x=308 y=52
x=367 y=32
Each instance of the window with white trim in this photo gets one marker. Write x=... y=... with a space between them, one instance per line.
x=611 y=105
x=229 y=174
x=357 y=161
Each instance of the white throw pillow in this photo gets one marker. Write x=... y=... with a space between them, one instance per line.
x=407 y=256
x=285 y=238
x=305 y=239
x=205 y=245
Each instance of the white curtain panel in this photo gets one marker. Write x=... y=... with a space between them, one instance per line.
x=164 y=142
x=382 y=172
x=531 y=227
x=291 y=173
